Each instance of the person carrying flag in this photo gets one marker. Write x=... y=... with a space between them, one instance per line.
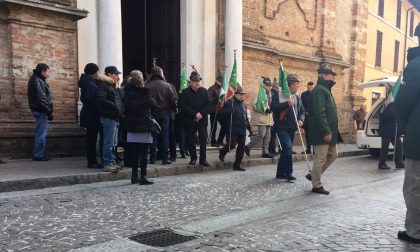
x=262 y=117
x=287 y=108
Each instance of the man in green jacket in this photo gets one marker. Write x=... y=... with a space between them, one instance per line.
x=407 y=112
x=323 y=126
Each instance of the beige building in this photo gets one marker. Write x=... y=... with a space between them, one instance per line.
x=390 y=29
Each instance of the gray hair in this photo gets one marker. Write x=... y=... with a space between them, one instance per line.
x=136 y=73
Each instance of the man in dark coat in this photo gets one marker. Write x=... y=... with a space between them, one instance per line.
x=234 y=113
x=305 y=103
x=41 y=105
x=195 y=106
x=286 y=112
x=166 y=100
x=89 y=115
x=214 y=93
x=323 y=126
x=111 y=109
x=387 y=130
x=407 y=112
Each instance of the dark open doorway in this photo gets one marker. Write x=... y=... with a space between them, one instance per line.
x=151 y=29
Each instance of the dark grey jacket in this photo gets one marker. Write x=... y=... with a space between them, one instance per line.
x=39 y=95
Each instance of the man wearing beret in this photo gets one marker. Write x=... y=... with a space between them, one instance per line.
x=323 y=126
x=195 y=106
x=89 y=115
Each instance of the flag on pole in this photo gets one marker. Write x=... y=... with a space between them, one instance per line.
x=184 y=82
x=262 y=99
x=285 y=91
x=283 y=80
x=396 y=88
x=224 y=88
x=233 y=82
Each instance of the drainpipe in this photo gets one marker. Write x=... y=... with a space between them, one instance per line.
x=406 y=35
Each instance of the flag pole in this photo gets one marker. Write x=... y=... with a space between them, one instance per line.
x=395 y=142
x=231 y=113
x=297 y=124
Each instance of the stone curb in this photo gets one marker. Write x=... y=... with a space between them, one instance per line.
x=39 y=183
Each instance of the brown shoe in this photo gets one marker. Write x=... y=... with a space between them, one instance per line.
x=3 y=162
x=320 y=190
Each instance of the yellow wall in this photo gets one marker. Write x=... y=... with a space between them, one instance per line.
x=387 y=25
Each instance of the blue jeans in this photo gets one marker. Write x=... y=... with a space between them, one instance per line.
x=41 y=129
x=285 y=165
x=161 y=142
x=110 y=140
x=182 y=139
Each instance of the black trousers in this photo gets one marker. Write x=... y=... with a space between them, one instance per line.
x=240 y=141
x=91 y=138
x=172 y=139
x=213 y=117
x=383 y=156
x=136 y=151
x=202 y=138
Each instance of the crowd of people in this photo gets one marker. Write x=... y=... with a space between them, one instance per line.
x=147 y=117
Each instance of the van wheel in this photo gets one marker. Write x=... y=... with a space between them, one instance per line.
x=374 y=152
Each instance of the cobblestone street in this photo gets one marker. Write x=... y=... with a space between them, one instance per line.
x=230 y=211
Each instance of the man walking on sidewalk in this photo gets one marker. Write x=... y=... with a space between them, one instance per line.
x=41 y=104
x=305 y=102
x=234 y=113
x=264 y=121
x=323 y=126
x=407 y=111
x=214 y=93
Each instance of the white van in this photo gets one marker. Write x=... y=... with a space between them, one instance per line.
x=369 y=138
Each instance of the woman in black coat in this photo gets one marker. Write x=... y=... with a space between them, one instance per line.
x=138 y=105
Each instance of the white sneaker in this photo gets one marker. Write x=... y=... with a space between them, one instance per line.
x=111 y=168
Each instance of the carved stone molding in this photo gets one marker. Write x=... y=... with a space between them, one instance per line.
x=309 y=9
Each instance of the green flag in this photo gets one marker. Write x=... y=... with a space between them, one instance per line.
x=224 y=89
x=283 y=81
x=184 y=82
x=262 y=99
x=395 y=88
x=233 y=82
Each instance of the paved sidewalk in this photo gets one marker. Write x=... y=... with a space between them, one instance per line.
x=19 y=175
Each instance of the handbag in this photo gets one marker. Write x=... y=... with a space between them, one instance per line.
x=154 y=125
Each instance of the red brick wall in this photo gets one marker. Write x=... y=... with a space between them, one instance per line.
x=30 y=36
x=302 y=34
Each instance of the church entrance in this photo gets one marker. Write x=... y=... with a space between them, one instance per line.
x=151 y=32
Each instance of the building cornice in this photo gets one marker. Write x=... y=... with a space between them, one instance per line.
x=266 y=48
x=75 y=13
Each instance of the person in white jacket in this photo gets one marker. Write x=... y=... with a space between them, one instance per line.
x=264 y=121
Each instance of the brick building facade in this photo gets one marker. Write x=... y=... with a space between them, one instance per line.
x=304 y=33
x=33 y=32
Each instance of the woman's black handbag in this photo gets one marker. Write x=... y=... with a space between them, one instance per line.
x=154 y=125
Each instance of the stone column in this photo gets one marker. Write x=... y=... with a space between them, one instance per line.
x=233 y=36
x=109 y=34
x=87 y=35
x=198 y=37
